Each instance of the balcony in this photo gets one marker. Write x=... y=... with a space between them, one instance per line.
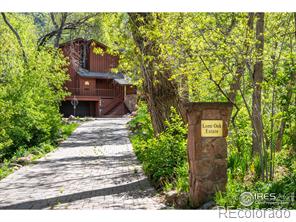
x=91 y=92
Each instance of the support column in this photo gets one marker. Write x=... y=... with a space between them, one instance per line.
x=97 y=109
x=207 y=149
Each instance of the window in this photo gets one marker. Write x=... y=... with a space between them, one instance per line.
x=83 y=55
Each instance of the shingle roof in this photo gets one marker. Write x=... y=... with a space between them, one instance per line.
x=118 y=77
x=100 y=75
x=123 y=81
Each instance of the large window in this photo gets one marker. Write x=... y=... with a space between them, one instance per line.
x=83 y=56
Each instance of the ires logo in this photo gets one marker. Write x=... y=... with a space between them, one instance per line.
x=247 y=198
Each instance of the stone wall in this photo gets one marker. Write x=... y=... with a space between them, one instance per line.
x=207 y=155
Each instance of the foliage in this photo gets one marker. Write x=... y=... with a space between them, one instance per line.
x=283 y=186
x=67 y=129
x=141 y=123
x=239 y=143
x=30 y=93
x=164 y=157
x=208 y=52
x=5 y=169
x=203 y=54
x=182 y=178
x=35 y=152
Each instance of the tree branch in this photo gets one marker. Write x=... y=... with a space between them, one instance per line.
x=66 y=26
x=53 y=20
x=17 y=37
x=60 y=29
x=221 y=90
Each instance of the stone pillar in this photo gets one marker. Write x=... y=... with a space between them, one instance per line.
x=207 y=149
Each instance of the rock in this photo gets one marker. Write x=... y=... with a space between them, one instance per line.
x=178 y=200
x=24 y=160
x=134 y=113
x=171 y=197
x=182 y=200
x=208 y=205
x=15 y=166
x=130 y=102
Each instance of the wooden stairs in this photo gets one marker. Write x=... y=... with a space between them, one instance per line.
x=115 y=108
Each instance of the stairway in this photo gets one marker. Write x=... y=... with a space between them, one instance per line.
x=108 y=108
x=119 y=110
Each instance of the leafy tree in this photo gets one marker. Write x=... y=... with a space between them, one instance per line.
x=30 y=89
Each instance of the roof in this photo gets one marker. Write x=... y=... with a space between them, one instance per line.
x=100 y=75
x=123 y=81
x=84 y=40
x=118 y=77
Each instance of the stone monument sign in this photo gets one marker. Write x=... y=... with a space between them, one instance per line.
x=207 y=149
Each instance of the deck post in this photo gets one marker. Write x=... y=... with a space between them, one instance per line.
x=124 y=92
x=207 y=149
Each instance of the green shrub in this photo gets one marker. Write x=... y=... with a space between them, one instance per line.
x=283 y=187
x=286 y=185
x=164 y=157
x=230 y=197
x=5 y=169
x=141 y=123
x=239 y=145
x=67 y=129
x=35 y=152
x=182 y=180
x=30 y=93
x=234 y=188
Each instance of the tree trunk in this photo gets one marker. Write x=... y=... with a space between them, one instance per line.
x=257 y=136
x=60 y=29
x=184 y=88
x=257 y=80
x=160 y=93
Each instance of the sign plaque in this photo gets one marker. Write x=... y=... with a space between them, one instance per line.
x=211 y=128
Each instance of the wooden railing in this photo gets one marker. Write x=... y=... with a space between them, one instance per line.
x=91 y=92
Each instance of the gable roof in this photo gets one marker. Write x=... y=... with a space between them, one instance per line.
x=84 y=40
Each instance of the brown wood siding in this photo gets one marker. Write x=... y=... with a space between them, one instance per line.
x=105 y=84
x=87 y=89
x=96 y=63
x=72 y=51
x=101 y=62
x=104 y=91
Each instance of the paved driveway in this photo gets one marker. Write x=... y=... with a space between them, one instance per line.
x=94 y=169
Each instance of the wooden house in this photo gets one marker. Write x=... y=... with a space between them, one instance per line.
x=95 y=89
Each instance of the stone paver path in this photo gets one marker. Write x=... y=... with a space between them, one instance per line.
x=94 y=169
